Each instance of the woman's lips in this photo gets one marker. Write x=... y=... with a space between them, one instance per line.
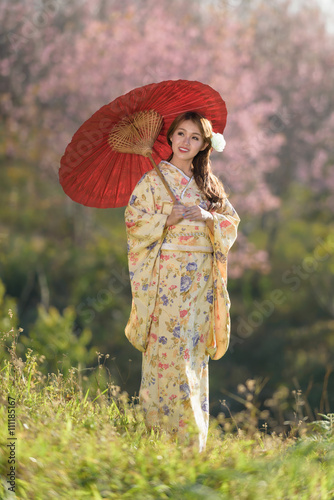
x=184 y=150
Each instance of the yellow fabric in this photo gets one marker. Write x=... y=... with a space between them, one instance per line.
x=145 y=217
x=180 y=305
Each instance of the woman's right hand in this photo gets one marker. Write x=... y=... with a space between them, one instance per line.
x=176 y=214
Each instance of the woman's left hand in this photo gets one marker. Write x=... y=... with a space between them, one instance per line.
x=196 y=213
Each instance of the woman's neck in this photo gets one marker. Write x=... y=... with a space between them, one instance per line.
x=185 y=166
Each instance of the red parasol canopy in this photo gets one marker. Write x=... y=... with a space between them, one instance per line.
x=94 y=174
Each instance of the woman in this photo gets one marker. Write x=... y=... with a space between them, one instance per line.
x=177 y=262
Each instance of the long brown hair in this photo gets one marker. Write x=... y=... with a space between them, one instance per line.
x=207 y=182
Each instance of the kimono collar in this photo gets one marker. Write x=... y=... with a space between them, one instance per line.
x=171 y=164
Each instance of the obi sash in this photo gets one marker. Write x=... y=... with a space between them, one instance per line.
x=188 y=236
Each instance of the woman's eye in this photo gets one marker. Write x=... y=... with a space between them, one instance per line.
x=180 y=133
x=195 y=138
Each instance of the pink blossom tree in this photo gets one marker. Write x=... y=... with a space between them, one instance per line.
x=61 y=63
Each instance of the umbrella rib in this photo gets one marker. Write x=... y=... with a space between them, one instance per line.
x=87 y=169
x=87 y=166
x=107 y=182
x=101 y=174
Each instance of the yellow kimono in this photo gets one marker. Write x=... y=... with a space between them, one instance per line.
x=180 y=304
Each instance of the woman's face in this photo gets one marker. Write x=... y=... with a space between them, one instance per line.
x=187 y=140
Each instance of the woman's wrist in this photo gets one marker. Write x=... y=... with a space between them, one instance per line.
x=168 y=223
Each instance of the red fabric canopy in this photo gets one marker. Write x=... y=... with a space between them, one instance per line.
x=93 y=174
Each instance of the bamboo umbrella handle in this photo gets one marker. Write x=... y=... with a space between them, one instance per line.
x=170 y=192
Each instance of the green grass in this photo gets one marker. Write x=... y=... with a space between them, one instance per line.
x=73 y=444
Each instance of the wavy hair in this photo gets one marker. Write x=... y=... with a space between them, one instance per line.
x=207 y=182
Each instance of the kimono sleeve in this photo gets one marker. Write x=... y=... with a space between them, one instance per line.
x=144 y=224
x=145 y=228
x=222 y=239
x=225 y=232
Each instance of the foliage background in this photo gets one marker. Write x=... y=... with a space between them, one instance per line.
x=63 y=267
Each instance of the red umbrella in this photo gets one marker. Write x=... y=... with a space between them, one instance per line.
x=94 y=171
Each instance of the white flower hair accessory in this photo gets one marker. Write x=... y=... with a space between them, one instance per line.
x=218 y=142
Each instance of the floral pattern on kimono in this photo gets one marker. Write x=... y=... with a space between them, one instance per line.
x=180 y=305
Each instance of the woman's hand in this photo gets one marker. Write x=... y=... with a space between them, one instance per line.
x=197 y=213
x=176 y=214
